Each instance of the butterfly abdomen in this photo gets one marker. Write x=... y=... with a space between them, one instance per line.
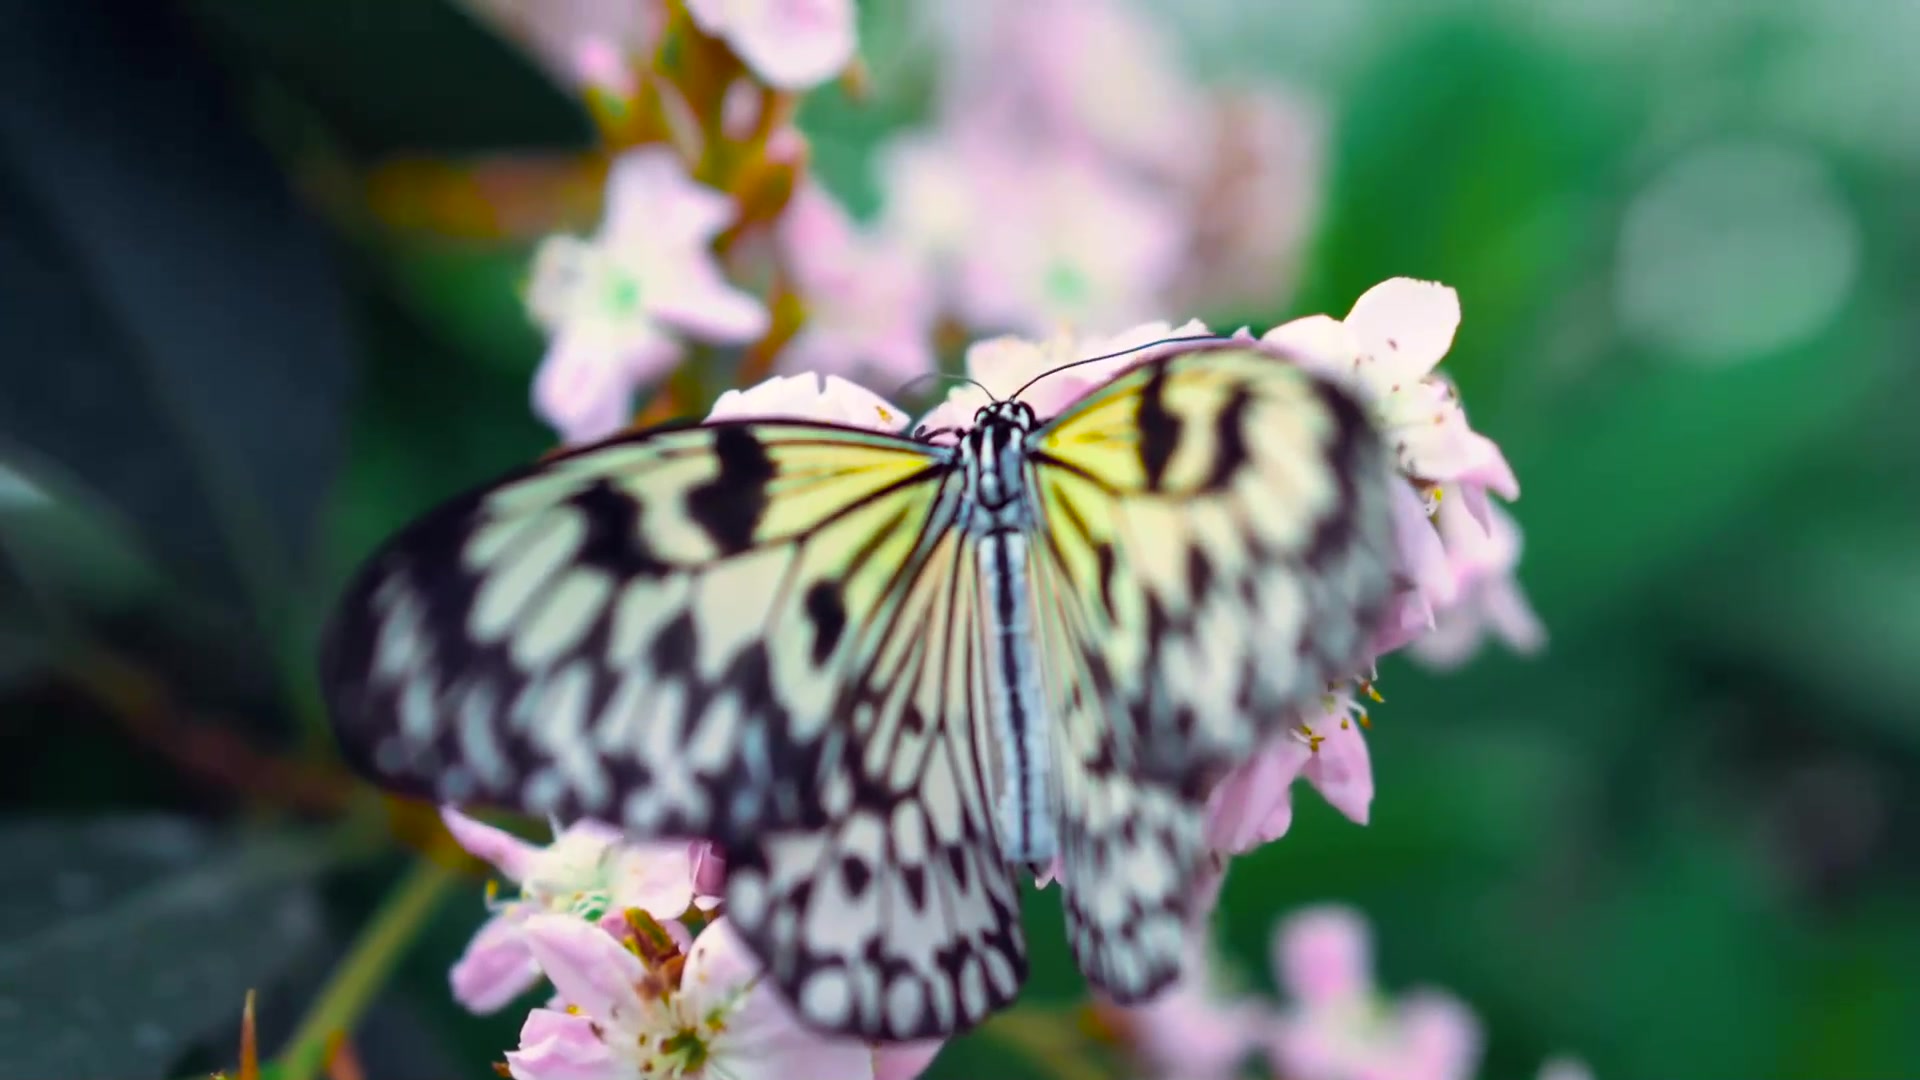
x=1023 y=806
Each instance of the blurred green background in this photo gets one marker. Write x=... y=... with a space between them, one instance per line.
x=1686 y=243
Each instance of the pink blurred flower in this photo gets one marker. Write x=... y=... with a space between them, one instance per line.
x=790 y=44
x=1488 y=600
x=1030 y=238
x=1194 y=1030
x=611 y=304
x=1253 y=200
x=1336 y=1026
x=624 y=1021
x=1120 y=91
x=588 y=872
x=825 y=398
x=869 y=301
x=1253 y=804
x=1002 y=365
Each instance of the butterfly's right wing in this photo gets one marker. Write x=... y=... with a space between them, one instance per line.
x=754 y=632
x=1215 y=547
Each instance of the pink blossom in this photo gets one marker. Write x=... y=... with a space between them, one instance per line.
x=1336 y=1026
x=1194 y=1030
x=789 y=44
x=1119 y=92
x=624 y=1021
x=904 y=1061
x=611 y=304
x=1253 y=804
x=1003 y=365
x=588 y=872
x=824 y=398
x=869 y=301
x=1254 y=199
x=1030 y=238
x=1489 y=601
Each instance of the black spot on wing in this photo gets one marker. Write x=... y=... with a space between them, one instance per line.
x=1159 y=428
x=730 y=505
x=855 y=875
x=829 y=617
x=614 y=540
x=1230 y=440
x=1352 y=449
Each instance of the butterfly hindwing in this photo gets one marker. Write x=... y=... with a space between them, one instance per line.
x=899 y=920
x=1216 y=546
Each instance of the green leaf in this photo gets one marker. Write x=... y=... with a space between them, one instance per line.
x=176 y=324
x=127 y=940
x=418 y=76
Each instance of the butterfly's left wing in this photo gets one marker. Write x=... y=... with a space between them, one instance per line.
x=756 y=632
x=1214 y=546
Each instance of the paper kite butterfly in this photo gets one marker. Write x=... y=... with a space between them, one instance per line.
x=890 y=675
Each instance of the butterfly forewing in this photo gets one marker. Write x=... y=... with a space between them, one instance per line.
x=1215 y=546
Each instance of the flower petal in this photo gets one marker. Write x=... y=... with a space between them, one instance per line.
x=762 y=1039
x=651 y=202
x=588 y=968
x=1340 y=769
x=656 y=878
x=1321 y=344
x=508 y=853
x=560 y=1046
x=791 y=44
x=1406 y=326
x=1324 y=955
x=904 y=1061
x=1252 y=805
x=584 y=387
x=495 y=968
x=1442 y=1037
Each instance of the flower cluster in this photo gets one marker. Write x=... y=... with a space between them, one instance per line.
x=649 y=978
x=1334 y=1022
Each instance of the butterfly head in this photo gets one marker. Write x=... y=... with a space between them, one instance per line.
x=1017 y=415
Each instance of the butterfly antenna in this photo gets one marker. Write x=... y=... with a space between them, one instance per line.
x=917 y=380
x=1122 y=352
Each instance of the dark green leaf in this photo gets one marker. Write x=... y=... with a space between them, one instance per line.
x=421 y=76
x=126 y=940
x=175 y=333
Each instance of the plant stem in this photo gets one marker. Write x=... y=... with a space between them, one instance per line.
x=358 y=979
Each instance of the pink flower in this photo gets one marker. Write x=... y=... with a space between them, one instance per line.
x=824 y=398
x=1386 y=351
x=1253 y=804
x=1488 y=599
x=1030 y=238
x=624 y=1021
x=1120 y=91
x=588 y=872
x=1336 y=1027
x=869 y=302
x=1254 y=199
x=1193 y=1030
x=1003 y=365
x=610 y=304
x=790 y=44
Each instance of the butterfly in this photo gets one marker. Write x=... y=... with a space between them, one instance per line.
x=891 y=674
